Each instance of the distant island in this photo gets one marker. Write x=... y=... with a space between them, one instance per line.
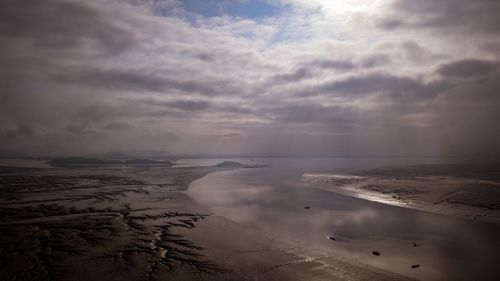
x=83 y=161
x=137 y=162
x=233 y=164
x=148 y=162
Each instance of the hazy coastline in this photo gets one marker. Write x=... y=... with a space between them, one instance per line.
x=270 y=219
x=137 y=223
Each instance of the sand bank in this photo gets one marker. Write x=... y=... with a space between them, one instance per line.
x=467 y=190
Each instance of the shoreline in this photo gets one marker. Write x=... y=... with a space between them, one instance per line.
x=284 y=208
x=140 y=224
x=264 y=256
x=424 y=188
x=277 y=257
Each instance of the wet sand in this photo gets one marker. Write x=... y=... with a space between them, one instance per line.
x=138 y=224
x=469 y=191
x=410 y=242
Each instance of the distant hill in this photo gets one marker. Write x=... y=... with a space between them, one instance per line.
x=230 y=164
x=233 y=164
x=82 y=162
x=148 y=162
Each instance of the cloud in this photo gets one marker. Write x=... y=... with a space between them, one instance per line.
x=338 y=65
x=304 y=78
x=53 y=25
x=468 y=68
x=118 y=126
x=388 y=86
x=296 y=75
x=23 y=130
x=77 y=128
x=189 y=105
x=130 y=80
x=455 y=16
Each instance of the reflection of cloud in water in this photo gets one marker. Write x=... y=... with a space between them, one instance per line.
x=341 y=218
x=360 y=216
x=247 y=213
x=236 y=195
x=275 y=201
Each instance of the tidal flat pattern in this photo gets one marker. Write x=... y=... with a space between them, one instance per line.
x=469 y=190
x=98 y=224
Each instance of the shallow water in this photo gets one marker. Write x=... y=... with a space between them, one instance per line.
x=273 y=199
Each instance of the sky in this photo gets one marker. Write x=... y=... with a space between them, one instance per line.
x=257 y=78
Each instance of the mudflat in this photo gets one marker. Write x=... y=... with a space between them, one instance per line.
x=469 y=190
x=136 y=223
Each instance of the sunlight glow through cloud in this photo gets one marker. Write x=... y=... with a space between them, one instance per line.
x=178 y=74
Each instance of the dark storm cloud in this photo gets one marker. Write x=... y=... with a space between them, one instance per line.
x=337 y=65
x=417 y=53
x=468 y=68
x=188 y=105
x=296 y=75
x=183 y=105
x=347 y=65
x=395 y=87
x=479 y=16
x=133 y=79
x=310 y=69
x=77 y=128
x=113 y=80
x=61 y=25
x=313 y=113
x=374 y=83
x=118 y=126
x=23 y=130
x=196 y=106
x=205 y=57
x=374 y=60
